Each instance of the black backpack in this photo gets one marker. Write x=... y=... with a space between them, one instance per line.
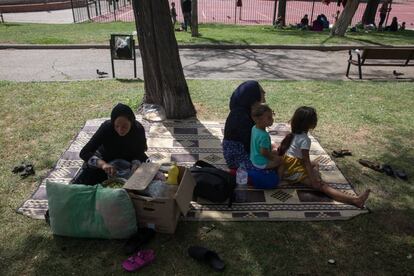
x=212 y=183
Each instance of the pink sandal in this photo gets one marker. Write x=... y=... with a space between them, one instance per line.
x=139 y=260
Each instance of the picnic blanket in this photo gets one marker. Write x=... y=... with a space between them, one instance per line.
x=186 y=141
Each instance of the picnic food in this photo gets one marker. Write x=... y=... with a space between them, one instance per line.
x=115 y=183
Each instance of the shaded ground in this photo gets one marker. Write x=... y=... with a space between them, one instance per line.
x=54 y=65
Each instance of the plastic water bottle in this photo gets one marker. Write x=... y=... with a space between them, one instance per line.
x=241 y=180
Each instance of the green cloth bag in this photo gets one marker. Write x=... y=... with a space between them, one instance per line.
x=90 y=211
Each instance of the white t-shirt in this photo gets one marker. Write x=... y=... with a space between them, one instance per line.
x=299 y=142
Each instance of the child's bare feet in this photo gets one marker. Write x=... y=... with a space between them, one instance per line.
x=360 y=200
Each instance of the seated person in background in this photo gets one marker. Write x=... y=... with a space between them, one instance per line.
x=279 y=22
x=394 y=25
x=317 y=25
x=402 y=27
x=325 y=22
x=120 y=140
x=304 y=22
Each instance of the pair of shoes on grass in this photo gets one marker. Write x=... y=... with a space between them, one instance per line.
x=385 y=168
x=24 y=170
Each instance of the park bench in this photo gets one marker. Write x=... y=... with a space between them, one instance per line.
x=380 y=57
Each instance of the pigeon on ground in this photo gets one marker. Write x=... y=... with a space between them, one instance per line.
x=101 y=74
x=397 y=74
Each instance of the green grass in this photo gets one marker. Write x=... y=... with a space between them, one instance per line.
x=91 y=33
x=372 y=119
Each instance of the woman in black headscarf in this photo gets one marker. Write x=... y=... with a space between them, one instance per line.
x=118 y=144
x=238 y=127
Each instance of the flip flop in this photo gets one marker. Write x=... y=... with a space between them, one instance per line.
x=341 y=153
x=401 y=174
x=28 y=170
x=19 y=168
x=139 y=260
x=207 y=256
x=388 y=170
x=140 y=238
x=371 y=164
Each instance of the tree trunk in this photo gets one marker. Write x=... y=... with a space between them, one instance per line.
x=370 y=12
x=345 y=18
x=194 y=18
x=281 y=13
x=164 y=79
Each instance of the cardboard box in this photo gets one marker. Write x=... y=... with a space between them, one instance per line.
x=161 y=214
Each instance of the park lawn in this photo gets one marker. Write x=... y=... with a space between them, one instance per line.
x=372 y=119
x=99 y=33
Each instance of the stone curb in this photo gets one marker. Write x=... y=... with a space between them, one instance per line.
x=201 y=46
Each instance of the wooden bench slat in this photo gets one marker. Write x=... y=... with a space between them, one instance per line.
x=388 y=54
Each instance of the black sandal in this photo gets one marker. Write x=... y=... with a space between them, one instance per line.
x=207 y=256
x=341 y=153
x=371 y=164
x=28 y=170
x=19 y=168
x=401 y=174
x=388 y=170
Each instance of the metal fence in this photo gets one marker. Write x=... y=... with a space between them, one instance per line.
x=226 y=11
x=102 y=10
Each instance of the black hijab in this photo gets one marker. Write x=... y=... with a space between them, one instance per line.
x=239 y=123
x=124 y=111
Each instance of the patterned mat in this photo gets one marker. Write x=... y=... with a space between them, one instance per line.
x=186 y=141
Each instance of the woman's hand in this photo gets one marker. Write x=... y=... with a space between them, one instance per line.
x=108 y=168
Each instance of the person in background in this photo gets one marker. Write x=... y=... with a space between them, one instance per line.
x=173 y=13
x=239 y=123
x=317 y=25
x=402 y=27
x=297 y=165
x=304 y=22
x=118 y=146
x=325 y=22
x=394 y=25
x=186 y=8
x=383 y=13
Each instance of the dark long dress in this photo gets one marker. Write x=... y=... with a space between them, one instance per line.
x=238 y=127
x=107 y=145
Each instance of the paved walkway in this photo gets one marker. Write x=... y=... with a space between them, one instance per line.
x=49 y=17
x=283 y=64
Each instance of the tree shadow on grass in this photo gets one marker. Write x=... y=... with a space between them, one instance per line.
x=364 y=41
x=211 y=40
x=305 y=247
x=377 y=242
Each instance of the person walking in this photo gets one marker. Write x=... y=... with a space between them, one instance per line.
x=173 y=13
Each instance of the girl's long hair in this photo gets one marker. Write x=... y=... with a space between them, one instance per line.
x=304 y=119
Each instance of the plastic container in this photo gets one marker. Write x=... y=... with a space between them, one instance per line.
x=241 y=180
x=173 y=172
